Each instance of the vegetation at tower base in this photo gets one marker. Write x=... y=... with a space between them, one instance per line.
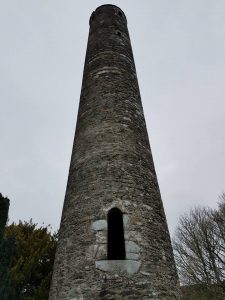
x=199 y=247
x=4 y=258
x=32 y=261
x=6 y=248
x=4 y=208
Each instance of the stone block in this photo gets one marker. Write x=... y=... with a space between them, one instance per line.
x=133 y=256
x=101 y=237
x=131 y=235
x=132 y=247
x=101 y=252
x=99 y=225
x=118 y=266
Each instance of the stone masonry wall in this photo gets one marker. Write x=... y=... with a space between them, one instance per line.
x=112 y=166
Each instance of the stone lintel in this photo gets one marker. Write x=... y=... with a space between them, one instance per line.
x=118 y=266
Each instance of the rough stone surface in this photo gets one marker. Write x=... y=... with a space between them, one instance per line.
x=132 y=247
x=112 y=166
x=118 y=266
x=99 y=225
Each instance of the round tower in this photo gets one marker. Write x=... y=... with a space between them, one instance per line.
x=113 y=240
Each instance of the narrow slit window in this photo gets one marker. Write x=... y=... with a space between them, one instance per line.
x=115 y=240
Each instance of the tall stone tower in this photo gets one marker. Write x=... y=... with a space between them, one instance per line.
x=114 y=241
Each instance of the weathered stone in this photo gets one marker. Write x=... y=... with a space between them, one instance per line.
x=101 y=237
x=101 y=252
x=125 y=220
x=145 y=273
x=99 y=225
x=112 y=168
x=127 y=203
x=133 y=236
x=134 y=256
x=118 y=266
x=132 y=247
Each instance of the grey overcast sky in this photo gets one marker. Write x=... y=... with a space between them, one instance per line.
x=179 y=51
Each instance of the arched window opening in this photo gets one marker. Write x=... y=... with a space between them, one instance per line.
x=115 y=240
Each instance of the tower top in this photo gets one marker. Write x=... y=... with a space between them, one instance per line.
x=108 y=11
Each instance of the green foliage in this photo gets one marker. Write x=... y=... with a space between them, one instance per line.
x=4 y=207
x=32 y=262
x=6 y=253
x=6 y=248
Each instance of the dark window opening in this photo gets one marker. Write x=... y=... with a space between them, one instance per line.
x=115 y=241
x=120 y=14
x=118 y=33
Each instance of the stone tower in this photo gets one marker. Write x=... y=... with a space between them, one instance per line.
x=114 y=241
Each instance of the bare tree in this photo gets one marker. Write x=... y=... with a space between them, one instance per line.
x=199 y=247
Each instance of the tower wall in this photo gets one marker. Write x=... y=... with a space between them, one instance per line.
x=112 y=167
